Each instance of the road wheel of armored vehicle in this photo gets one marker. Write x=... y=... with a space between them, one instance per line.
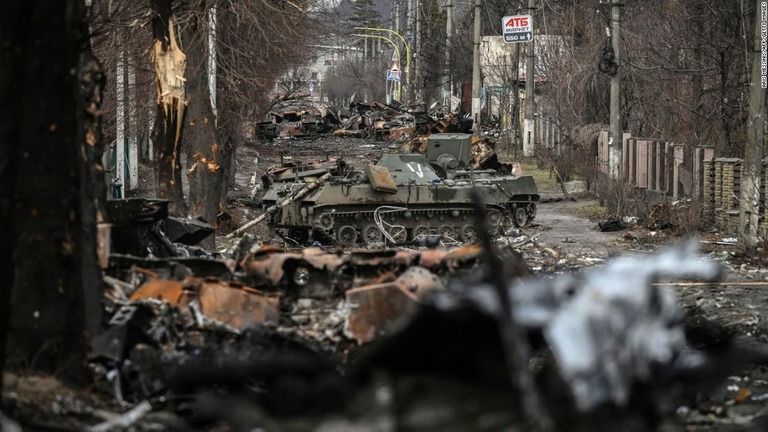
x=531 y=213
x=495 y=219
x=347 y=235
x=447 y=231
x=519 y=217
x=398 y=233
x=469 y=234
x=324 y=222
x=420 y=231
x=372 y=234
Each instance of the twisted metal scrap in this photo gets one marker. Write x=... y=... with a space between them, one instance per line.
x=608 y=326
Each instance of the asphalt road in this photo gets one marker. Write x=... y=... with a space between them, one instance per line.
x=563 y=224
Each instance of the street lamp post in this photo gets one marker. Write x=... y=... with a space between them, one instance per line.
x=476 y=84
x=407 y=50
x=397 y=51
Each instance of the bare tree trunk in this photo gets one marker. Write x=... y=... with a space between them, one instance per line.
x=170 y=63
x=52 y=116
x=753 y=153
x=12 y=36
x=229 y=147
x=204 y=153
x=617 y=119
x=724 y=137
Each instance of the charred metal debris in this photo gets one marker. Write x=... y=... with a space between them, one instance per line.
x=388 y=122
x=467 y=338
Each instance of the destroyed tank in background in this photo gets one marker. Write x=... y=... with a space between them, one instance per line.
x=401 y=198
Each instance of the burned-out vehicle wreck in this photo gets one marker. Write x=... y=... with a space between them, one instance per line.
x=381 y=122
x=400 y=199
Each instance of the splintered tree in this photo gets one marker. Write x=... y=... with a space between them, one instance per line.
x=170 y=63
x=50 y=188
x=255 y=42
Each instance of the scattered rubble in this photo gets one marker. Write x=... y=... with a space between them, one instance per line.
x=412 y=337
x=604 y=354
x=381 y=122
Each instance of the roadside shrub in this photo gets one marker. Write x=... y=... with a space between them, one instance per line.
x=619 y=197
x=685 y=215
x=572 y=163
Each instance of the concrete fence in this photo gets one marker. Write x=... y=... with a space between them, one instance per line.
x=648 y=164
x=657 y=166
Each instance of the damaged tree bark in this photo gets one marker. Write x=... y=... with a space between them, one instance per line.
x=169 y=62
x=50 y=124
x=204 y=153
x=11 y=71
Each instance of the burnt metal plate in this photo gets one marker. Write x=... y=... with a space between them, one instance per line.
x=381 y=179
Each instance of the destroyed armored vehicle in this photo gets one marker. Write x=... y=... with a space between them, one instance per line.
x=401 y=198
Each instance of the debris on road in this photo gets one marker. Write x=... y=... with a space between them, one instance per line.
x=333 y=335
x=616 y=347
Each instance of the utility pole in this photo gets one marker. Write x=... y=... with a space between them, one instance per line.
x=516 y=114
x=409 y=29
x=407 y=82
x=119 y=175
x=133 y=129
x=614 y=151
x=417 y=56
x=753 y=152
x=397 y=16
x=476 y=84
x=447 y=87
x=529 y=126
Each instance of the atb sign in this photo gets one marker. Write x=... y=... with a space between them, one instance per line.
x=517 y=28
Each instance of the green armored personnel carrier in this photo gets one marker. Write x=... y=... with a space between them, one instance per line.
x=399 y=199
